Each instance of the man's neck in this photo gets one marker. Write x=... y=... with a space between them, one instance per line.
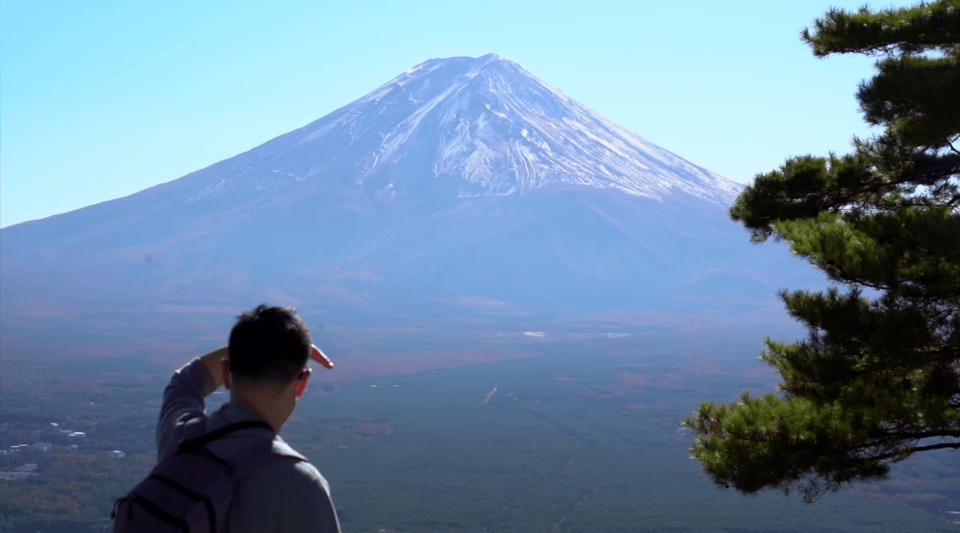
x=272 y=418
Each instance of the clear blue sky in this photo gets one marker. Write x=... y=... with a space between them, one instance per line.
x=101 y=99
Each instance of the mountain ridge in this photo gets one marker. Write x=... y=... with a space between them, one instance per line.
x=461 y=180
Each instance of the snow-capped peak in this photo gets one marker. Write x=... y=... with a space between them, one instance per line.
x=491 y=128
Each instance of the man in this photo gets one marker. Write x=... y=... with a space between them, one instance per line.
x=264 y=366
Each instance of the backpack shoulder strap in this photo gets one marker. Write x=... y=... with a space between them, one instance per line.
x=198 y=445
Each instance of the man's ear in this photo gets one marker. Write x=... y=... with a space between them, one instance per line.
x=225 y=372
x=300 y=385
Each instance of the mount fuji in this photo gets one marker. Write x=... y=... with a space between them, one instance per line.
x=462 y=187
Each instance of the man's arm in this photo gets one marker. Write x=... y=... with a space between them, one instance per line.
x=212 y=360
x=184 y=396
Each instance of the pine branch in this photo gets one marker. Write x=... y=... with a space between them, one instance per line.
x=930 y=434
x=912 y=30
x=945 y=445
x=929 y=170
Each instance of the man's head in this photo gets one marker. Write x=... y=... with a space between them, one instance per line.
x=267 y=355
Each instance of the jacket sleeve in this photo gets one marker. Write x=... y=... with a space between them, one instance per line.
x=183 y=399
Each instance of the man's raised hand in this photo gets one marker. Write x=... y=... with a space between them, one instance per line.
x=317 y=355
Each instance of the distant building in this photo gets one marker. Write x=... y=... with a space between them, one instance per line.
x=78 y=435
x=19 y=447
x=118 y=454
x=72 y=448
x=29 y=467
x=41 y=446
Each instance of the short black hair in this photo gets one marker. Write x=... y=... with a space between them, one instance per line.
x=268 y=346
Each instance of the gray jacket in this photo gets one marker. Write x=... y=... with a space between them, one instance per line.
x=288 y=496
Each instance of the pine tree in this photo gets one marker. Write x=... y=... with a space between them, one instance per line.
x=876 y=381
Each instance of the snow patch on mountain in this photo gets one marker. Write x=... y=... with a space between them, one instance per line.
x=209 y=190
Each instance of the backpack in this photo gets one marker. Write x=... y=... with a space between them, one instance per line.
x=191 y=490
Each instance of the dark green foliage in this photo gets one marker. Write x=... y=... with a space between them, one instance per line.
x=876 y=381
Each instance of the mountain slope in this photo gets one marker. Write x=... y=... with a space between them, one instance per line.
x=462 y=180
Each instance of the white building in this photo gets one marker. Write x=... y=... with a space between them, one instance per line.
x=118 y=454
x=78 y=435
